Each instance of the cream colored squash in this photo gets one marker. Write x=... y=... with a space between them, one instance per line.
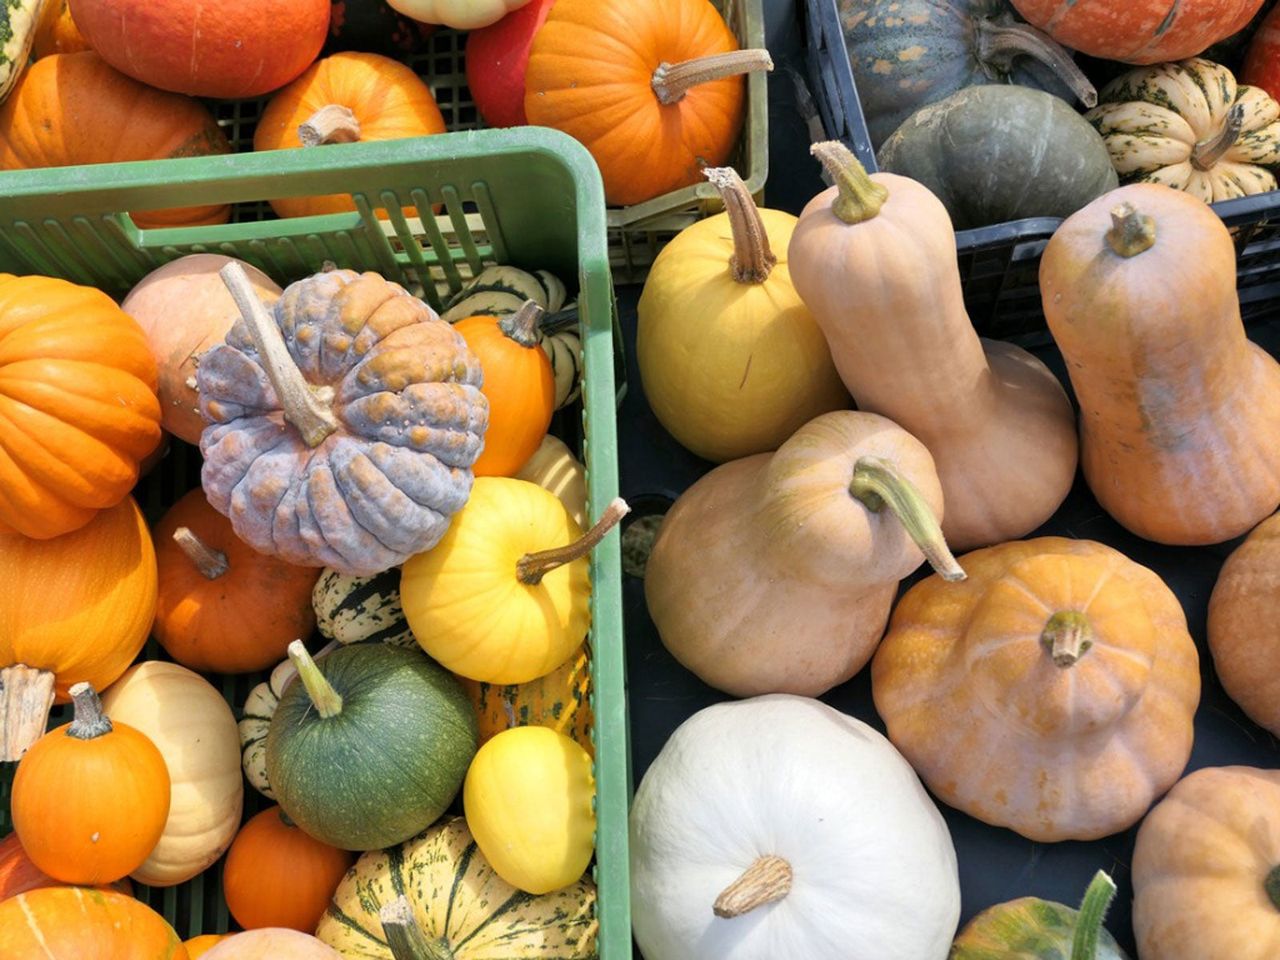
x=195 y=731
x=554 y=467
x=459 y=14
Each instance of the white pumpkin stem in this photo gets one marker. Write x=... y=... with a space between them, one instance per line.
x=405 y=938
x=860 y=198
x=767 y=880
x=311 y=416
x=753 y=259
x=1067 y=635
x=1000 y=41
x=88 y=721
x=532 y=567
x=671 y=81
x=522 y=326
x=1093 y=910
x=326 y=700
x=211 y=563
x=26 y=697
x=1131 y=232
x=332 y=123
x=877 y=483
x=1206 y=153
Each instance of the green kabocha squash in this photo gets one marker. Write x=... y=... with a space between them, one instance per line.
x=18 y=22
x=996 y=153
x=909 y=53
x=1033 y=929
x=371 y=746
x=361 y=609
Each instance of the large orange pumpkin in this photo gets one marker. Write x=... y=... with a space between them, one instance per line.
x=72 y=108
x=78 y=407
x=73 y=923
x=635 y=84
x=18 y=874
x=101 y=580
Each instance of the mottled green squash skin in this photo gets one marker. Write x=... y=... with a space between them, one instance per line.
x=1026 y=929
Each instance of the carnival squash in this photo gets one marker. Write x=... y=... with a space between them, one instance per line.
x=497 y=57
x=653 y=90
x=18 y=874
x=503 y=598
x=57 y=32
x=1138 y=33
x=72 y=108
x=906 y=54
x=361 y=609
x=459 y=14
x=560 y=700
x=354 y=456
x=554 y=467
x=102 y=581
x=730 y=359
x=223 y=607
x=1051 y=692
x=371 y=746
x=1179 y=412
x=779 y=827
x=345 y=98
x=1262 y=59
x=78 y=408
x=238 y=50
x=993 y=154
x=193 y=728
x=74 y=923
x=874 y=258
x=1190 y=126
x=278 y=876
x=272 y=943
x=184 y=309
x=108 y=825
x=457 y=901
x=775 y=573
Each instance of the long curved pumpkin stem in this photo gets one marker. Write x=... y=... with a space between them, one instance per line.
x=88 y=720
x=671 y=81
x=1000 y=41
x=1131 y=232
x=753 y=258
x=860 y=197
x=326 y=700
x=768 y=880
x=532 y=567
x=1208 y=152
x=405 y=938
x=878 y=483
x=26 y=696
x=332 y=123
x=1093 y=909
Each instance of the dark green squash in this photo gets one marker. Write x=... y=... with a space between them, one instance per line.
x=371 y=747
x=909 y=53
x=996 y=153
x=371 y=26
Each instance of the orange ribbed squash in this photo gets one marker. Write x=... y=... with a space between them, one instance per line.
x=73 y=922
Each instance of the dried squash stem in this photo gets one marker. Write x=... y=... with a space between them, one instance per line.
x=753 y=259
x=88 y=721
x=532 y=567
x=878 y=483
x=1067 y=635
x=211 y=563
x=1000 y=42
x=765 y=881
x=671 y=81
x=405 y=938
x=1208 y=152
x=330 y=124
x=26 y=697
x=1131 y=232
x=860 y=198
x=522 y=326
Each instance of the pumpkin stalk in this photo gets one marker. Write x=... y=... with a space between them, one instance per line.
x=1208 y=152
x=522 y=326
x=753 y=259
x=767 y=880
x=860 y=198
x=88 y=721
x=26 y=697
x=1067 y=635
x=332 y=123
x=211 y=563
x=671 y=81
x=1272 y=885
x=308 y=413
x=405 y=937
x=532 y=567
x=877 y=483
x=326 y=700
x=1097 y=899
x=999 y=42
x=1131 y=232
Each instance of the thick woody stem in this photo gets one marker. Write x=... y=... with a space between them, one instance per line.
x=878 y=483
x=326 y=700
x=88 y=721
x=671 y=81
x=26 y=696
x=765 y=881
x=330 y=124
x=211 y=563
x=1067 y=635
x=532 y=567
x=860 y=198
x=753 y=259
x=1208 y=152
x=1131 y=232
x=405 y=938
x=1000 y=42
x=1093 y=910
x=522 y=326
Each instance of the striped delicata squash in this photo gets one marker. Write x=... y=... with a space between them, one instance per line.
x=1191 y=126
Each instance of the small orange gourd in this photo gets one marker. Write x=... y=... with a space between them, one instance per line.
x=91 y=798
x=518 y=383
x=73 y=923
x=197 y=947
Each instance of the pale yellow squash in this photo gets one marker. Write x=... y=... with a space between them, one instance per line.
x=554 y=467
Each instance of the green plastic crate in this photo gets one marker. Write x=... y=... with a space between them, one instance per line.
x=529 y=197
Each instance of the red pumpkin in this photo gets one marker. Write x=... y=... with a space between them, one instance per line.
x=1262 y=61
x=231 y=49
x=497 y=56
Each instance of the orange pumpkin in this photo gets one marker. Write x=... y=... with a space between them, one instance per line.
x=518 y=383
x=636 y=83
x=57 y=32
x=197 y=947
x=73 y=923
x=222 y=606
x=71 y=108
x=277 y=876
x=90 y=798
x=101 y=580
x=560 y=700
x=345 y=98
x=78 y=407
x=18 y=874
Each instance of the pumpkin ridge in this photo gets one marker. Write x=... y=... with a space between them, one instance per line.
x=515 y=900
x=29 y=391
x=460 y=872
x=39 y=446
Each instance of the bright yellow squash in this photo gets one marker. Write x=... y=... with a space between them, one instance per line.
x=503 y=597
x=528 y=803
x=731 y=360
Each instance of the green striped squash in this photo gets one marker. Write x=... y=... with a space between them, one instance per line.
x=18 y=22
x=361 y=609
x=465 y=909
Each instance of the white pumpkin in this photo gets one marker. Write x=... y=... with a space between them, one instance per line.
x=777 y=827
x=554 y=467
x=195 y=731
x=459 y=14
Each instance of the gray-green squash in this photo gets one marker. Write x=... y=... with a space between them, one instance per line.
x=995 y=153
x=371 y=746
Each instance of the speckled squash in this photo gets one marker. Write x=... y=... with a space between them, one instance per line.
x=20 y=21
x=361 y=609
x=368 y=454
x=559 y=701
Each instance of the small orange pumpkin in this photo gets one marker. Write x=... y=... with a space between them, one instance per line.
x=74 y=923
x=91 y=798
x=197 y=947
x=518 y=383
x=18 y=874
